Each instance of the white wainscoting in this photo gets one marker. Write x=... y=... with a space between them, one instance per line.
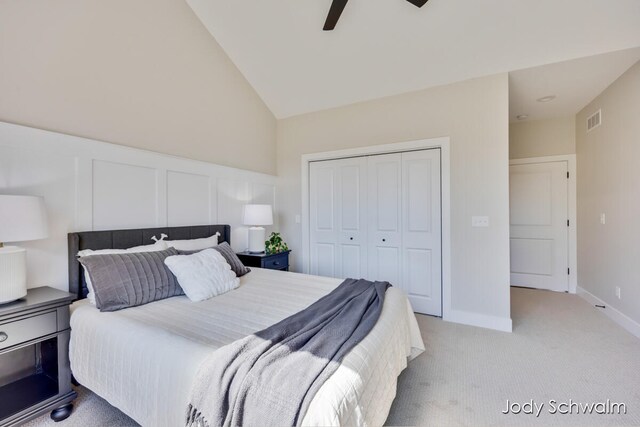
x=92 y=185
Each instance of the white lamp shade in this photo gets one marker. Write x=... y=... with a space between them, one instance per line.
x=22 y=218
x=257 y=215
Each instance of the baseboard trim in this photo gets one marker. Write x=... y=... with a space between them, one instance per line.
x=617 y=316
x=503 y=324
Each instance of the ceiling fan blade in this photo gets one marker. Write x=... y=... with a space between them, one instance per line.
x=418 y=3
x=334 y=14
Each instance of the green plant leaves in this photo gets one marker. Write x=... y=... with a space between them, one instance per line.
x=275 y=244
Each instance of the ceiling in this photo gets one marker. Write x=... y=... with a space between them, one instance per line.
x=386 y=47
x=574 y=84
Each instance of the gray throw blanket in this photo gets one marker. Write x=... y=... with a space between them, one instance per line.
x=270 y=378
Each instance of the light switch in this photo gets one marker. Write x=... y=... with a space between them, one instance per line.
x=603 y=219
x=480 y=221
x=298 y=220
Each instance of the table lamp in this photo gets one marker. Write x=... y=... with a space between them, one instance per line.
x=255 y=216
x=22 y=218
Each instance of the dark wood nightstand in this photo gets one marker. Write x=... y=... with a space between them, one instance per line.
x=35 y=376
x=279 y=261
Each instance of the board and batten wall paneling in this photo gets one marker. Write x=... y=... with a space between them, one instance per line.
x=191 y=199
x=92 y=185
x=118 y=184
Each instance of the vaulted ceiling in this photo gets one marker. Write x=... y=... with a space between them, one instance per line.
x=572 y=85
x=386 y=47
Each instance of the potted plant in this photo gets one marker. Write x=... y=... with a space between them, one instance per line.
x=275 y=244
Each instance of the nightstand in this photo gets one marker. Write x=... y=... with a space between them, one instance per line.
x=279 y=261
x=34 y=357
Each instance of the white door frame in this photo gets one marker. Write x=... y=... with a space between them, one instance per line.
x=444 y=144
x=573 y=239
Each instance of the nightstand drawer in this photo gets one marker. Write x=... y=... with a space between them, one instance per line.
x=277 y=262
x=19 y=331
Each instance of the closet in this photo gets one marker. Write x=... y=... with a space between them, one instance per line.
x=378 y=217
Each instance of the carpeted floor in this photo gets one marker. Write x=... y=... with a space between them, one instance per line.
x=561 y=349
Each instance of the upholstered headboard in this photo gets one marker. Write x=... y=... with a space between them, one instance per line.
x=123 y=239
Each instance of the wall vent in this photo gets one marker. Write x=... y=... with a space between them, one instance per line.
x=594 y=120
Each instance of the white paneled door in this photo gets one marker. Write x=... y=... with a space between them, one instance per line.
x=379 y=218
x=338 y=218
x=385 y=216
x=539 y=225
x=421 y=230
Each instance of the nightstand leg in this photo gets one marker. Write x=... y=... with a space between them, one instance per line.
x=62 y=413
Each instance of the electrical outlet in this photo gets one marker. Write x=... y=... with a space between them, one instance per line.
x=603 y=219
x=618 y=292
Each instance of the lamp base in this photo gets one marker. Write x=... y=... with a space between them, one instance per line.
x=13 y=274
x=256 y=240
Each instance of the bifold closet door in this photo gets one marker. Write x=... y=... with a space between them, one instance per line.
x=421 y=231
x=338 y=203
x=378 y=217
x=384 y=182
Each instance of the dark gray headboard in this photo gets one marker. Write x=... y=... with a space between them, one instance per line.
x=123 y=239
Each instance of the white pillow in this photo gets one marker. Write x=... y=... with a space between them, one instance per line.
x=202 y=275
x=158 y=246
x=193 y=244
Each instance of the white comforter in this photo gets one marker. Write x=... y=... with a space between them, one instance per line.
x=143 y=360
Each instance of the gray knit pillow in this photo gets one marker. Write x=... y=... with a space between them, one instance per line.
x=232 y=259
x=229 y=255
x=131 y=279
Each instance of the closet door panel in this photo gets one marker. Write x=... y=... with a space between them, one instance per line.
x=352 y=208
x=338 y=218
x=351 y=261
x=384 y=218
x=386 y=180
x=325 y=259
x=323 y=233
x=352 y=217
x=421 y=230
x=417 y=272
x=387 y=265
x=350 y=184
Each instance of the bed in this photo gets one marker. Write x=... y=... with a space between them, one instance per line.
x=143 y=360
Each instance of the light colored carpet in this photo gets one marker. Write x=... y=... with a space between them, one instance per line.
x=561 y=348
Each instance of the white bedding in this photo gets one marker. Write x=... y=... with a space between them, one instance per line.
x=143 y=359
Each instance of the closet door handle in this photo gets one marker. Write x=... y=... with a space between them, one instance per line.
x=384 y=240
x=3 y=336
x=350 y=238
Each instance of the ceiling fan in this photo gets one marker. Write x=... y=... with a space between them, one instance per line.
x=338 y=6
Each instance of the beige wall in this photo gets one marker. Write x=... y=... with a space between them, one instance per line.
x=144 y=73
x=474 y=114
x=608 y=161
x=540 y=138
